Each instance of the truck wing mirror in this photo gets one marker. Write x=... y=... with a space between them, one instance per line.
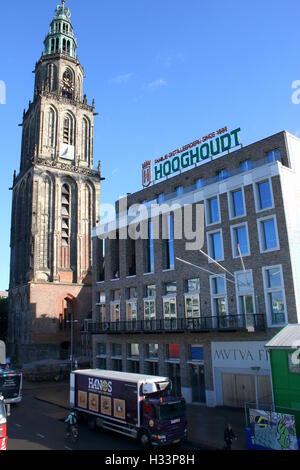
x=7 y=410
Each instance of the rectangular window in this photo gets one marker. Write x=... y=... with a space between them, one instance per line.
x=116 y=349
x=246 y=165
x=222 y=174
x=192 y=306
x=212 y=210
x=193 y=285
x=239 y=240
x=268 y=237
x=150 y=308
x=133 y=350
x=131 y=311
x=101 y=349
x=132 y=293
x=263 y=195
x=161 y=198
x=274 y=295
x=273 y=156
x=115 y=312
x=170 y=288
x=170 y=312
x=150 y=291
x=199 y=183
x=215 y=245
x=115 y=295
x=169 y=256
x=149 y=261
x=245 y=297
x=152 y=351
x=236 y=203
x=218 y=296
x=179 y=190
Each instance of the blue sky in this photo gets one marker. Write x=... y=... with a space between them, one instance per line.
x=163 y=73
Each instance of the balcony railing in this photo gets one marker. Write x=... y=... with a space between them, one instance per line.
x=253 y=322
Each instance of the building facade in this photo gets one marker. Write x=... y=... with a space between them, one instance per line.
x=205 y=325
x=56 y=198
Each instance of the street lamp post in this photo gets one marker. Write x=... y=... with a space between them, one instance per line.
x=72 y=321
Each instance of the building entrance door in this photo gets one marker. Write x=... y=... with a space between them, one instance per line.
x=238 y=389
x=174 y=375
x=198 y=383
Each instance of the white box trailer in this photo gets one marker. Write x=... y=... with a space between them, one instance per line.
x=136 y=405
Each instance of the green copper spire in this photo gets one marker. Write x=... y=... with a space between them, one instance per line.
x=61 y=36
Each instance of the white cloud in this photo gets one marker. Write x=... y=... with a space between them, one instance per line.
x=156 y=84
x=120 y=79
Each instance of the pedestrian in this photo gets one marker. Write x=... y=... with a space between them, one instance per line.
x=229 y=436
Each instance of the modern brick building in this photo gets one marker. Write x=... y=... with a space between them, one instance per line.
x=56 y=198
x=206 y=327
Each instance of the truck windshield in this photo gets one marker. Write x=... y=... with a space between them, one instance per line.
x=2 y=411
x=171 y=410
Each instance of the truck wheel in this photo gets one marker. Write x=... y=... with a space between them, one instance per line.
x=144 y=439
x=91 y=423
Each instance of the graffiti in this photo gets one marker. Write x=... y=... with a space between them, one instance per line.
x=273 y=430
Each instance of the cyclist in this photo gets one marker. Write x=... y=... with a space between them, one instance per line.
x=71 y=421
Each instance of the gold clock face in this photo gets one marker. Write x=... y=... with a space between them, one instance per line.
x=67 y=84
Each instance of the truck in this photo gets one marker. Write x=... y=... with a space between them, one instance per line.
x=3 y=435
x=135 y=405
x=10 y=380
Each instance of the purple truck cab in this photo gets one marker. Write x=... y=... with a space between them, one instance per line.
x=135 y=405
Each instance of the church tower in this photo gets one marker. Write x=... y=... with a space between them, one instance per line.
x=56 y=198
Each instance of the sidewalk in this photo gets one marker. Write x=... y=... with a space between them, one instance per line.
x=205 y=425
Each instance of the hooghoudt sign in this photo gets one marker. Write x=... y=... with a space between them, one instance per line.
x=198 y=152
x=240 y=354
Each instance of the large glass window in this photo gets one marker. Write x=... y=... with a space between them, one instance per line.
x=264 y=195
x=133 y=350
x=268 y=234
x=273 y=156
x=237 y=206
x=213 y=213
x=170 y=312
x=169 y=256
x=152 y=351
x=218 y=295
x=274 y=293
x=246 y=165
x=240 y=240
x=215 y=245
x=150 y=250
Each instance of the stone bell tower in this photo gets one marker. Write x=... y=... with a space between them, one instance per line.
x=56 y=198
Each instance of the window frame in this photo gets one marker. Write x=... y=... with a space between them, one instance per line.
x=268 y=290
x=213 y=296
x=207 y=210
x=208 y=234
x=261 y=235
x=257 y=196
x=232 y=236
x=231 y=203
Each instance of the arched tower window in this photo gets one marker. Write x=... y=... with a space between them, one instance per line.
x=57 y=45
x=52 y=77
x=65 y=215
x=69 y=130
x=85 y=140
x=64 y=45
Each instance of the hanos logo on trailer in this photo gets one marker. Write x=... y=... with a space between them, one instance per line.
x=100 y=385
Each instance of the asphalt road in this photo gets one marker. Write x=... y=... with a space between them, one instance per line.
x=36 y=425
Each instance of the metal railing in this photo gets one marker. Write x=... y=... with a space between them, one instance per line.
x=253 y=322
